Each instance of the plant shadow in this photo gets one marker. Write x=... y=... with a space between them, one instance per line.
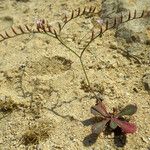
x=120 y=138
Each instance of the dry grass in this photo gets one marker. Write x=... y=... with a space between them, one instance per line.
x=38 y=132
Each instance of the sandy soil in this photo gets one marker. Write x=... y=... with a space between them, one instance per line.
x=43 y=92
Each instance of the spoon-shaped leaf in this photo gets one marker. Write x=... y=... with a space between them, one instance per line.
x=125 y=126
x=128 y=110
x=99 y=110
x=97 y=128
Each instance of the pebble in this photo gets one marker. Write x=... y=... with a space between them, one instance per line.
x=1 y=140
x=113 y=45
x=146 y=81
x=144 y=139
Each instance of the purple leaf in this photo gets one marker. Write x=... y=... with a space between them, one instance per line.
x=99 y=110
x=125 y=126
x=99 y=127
x=128 y=110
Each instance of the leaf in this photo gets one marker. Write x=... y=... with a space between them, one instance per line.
x=99 y=110
x=113 y=125
x=128 y=110
x=125 y=126
x=97 y=128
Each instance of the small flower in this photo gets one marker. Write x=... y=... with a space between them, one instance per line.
x=113 y=119
x=40 y=23
x=100 y=21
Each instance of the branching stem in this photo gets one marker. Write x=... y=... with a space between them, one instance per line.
x=81 y=61
x=61 y=41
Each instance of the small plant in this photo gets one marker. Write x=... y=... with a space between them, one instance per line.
x=55 y=31
x=37 y=132
x=8 y=105
x=114 y=119
x=40 y=132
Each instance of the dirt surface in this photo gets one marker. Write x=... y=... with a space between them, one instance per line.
x=44 y=100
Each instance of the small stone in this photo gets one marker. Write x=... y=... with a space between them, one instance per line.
x=69 y=40
x=146 y=81
x=144 y=139
x=113 y=45
x=1 y=140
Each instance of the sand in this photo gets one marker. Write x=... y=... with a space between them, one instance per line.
x=43 y=91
